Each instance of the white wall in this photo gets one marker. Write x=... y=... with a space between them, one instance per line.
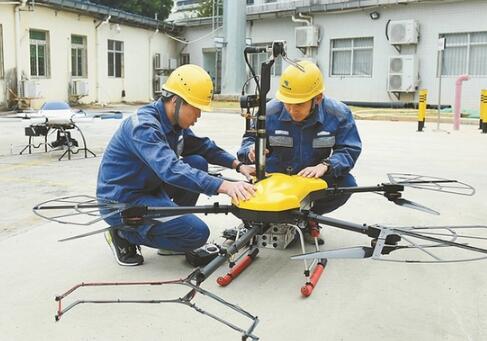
x=434 y=18
x=60 y=26
x=195 y=49
x=139 y=46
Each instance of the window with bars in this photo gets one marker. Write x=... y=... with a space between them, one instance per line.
x=465 y=53
x=2 y=72
x=352 y=57
x=115 y=58
x=39 y=53
x=78 y=56
x=256 y=60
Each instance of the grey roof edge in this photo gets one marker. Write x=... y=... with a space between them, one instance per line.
x=117 y=15
x=333 y=7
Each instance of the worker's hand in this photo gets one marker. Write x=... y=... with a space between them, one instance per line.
x=237 y=190
x=314 y=172
x=251 y=154
x=247 y=171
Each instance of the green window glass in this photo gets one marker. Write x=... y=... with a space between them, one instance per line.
x=115 y=58
x=39 y=58
x=79 y=63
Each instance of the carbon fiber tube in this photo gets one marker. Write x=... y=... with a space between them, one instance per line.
x=211 y=267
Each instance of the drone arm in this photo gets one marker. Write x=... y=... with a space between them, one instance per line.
x=388 y=189
x=145 y=212
x=345 y=225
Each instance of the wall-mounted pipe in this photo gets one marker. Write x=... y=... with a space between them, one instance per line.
x=294 y=19
x=306 y=17
x=150 y=69
x=392 y=105
x=97 y=56
x=308 y=20
x=103 y=22
x=20 y=5
x=458 y=100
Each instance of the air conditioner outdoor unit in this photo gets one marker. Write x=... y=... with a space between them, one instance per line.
x=31 y=89
x=80 y=87
x=403 y=32
x=307 y=36
x=164 y=64
x=173 y=63
x=403 y=74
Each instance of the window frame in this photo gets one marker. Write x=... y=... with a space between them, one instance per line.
x=84 y=57
x=113 y=52
x=468 y=45
x=276 y=70
x=37 y=43
x=352 y=50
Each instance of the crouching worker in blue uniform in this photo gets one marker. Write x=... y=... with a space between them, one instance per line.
x=154 y=159
x=308 y=134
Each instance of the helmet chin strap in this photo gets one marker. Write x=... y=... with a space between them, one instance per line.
x=314 y=108
x=179 y=102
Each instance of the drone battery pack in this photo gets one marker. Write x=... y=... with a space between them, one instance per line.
x=202 y=255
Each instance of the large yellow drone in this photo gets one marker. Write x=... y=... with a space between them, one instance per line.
x=274 y=217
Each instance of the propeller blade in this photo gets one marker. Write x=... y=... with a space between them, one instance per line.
x=431 y=183
x=410 y=204
x=91 y=233
x=349 y=252
x=84 y=234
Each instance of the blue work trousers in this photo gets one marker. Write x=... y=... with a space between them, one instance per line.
x=181 y=234
x=330 y=204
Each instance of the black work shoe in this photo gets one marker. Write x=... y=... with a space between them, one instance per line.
x=125 y=253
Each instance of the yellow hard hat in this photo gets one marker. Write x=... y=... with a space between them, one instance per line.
x=193 y=84
x=296 y=86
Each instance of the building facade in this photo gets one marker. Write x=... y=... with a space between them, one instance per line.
x=77 y=50
x=368 y=51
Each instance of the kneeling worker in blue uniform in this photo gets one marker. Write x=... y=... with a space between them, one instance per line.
x=308 y=134
x=154 y=159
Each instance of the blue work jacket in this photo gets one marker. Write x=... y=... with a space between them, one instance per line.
x=145 y=152
x=329 y=133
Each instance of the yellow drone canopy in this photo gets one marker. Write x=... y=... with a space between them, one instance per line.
x=281 y=192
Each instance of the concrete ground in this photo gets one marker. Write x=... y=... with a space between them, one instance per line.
x=355 y=299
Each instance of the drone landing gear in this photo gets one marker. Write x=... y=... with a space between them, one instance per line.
x=275 y=236
x=238 y=268
x=63 y=139
x=313 y=271
x=307 y=289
